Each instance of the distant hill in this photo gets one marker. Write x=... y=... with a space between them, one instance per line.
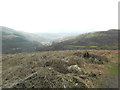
x=15 y=41
x=95 y=40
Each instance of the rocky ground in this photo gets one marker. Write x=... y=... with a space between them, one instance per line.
x=56 y=69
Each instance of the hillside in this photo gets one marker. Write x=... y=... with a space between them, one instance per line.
x=15 y=41
x=59 y=69
x=96 y=40
x=25 y=67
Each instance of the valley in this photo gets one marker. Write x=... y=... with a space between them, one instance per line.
x=59 y=44
x=59 y=60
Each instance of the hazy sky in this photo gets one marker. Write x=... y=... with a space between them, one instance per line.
x=59 y=15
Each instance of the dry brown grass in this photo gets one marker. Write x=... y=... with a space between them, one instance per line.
x=52 y=67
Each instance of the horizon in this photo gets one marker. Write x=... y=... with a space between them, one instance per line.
x=72 y=32
x=59 y=16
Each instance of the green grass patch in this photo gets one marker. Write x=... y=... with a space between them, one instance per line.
x=96 y=47
x=112 y=68
x=72 y=46
x=118 y=57
x=78 y=46
x=90 y=47
x=93 y=46
x=112 y=71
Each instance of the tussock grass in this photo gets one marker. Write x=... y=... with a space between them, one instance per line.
x=55 y=66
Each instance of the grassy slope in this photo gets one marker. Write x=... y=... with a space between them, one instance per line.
x=110 y=79
x=97 y=40
x=24 y=65
x=15 y=41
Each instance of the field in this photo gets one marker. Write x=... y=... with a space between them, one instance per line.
x=59 y=69
x=107 y=47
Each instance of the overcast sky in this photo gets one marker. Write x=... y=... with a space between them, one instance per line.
x=59 y=15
